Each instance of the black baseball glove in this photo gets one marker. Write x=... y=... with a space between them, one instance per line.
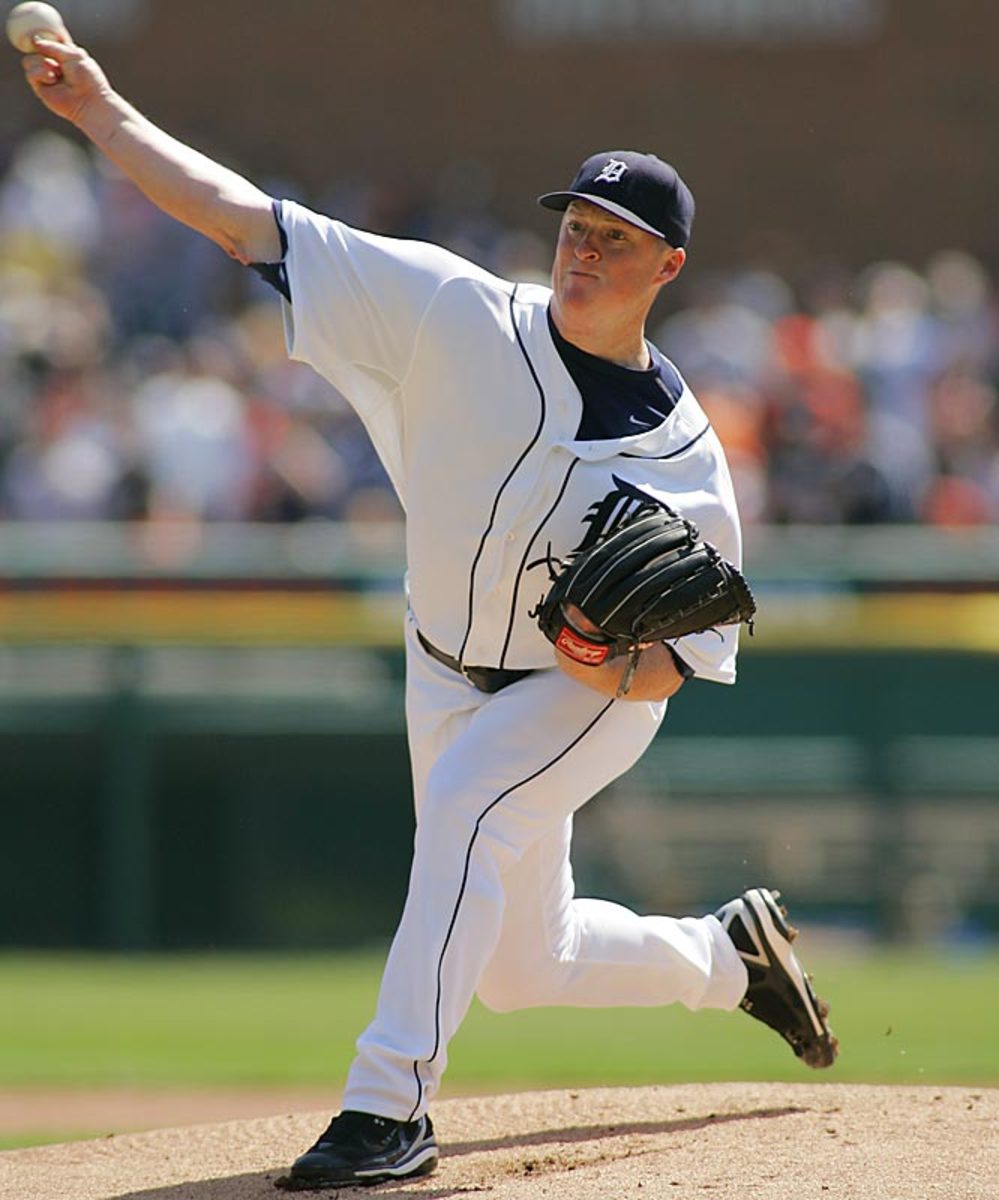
x=650 y=580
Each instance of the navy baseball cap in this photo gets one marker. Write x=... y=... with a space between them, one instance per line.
x=639 y=188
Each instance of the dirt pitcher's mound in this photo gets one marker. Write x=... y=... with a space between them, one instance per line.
x=727 y=1141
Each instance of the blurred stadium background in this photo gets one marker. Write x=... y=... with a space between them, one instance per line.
x=201 y=731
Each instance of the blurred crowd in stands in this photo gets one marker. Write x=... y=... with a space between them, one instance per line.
x=143 y=374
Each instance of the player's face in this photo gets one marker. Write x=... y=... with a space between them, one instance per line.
x=603 y=263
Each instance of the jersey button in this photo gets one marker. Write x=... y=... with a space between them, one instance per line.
x=511 y=536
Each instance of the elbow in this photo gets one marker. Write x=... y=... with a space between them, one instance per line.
x=239 y=254
x=245 y=228
x=236 y=247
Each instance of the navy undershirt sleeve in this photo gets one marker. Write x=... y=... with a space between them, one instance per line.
x=276 y=274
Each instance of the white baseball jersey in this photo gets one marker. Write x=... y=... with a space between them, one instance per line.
x=474 y=415
x=456 y=377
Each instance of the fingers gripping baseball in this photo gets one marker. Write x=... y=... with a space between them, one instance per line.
x=63 y=76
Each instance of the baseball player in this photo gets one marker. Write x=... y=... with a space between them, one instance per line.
x=518 y=424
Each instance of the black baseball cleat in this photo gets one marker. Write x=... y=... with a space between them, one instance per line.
x=780 y=993
x=359 y=1148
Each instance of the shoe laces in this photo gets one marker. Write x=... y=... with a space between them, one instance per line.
x=350 y=1124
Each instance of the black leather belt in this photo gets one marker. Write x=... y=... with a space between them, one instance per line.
x=486 y=679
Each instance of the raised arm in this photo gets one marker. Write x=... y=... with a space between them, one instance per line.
x=201 y=193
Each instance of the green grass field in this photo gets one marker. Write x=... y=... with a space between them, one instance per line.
x=902 y=1017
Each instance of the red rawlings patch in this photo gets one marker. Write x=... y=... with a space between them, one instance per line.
x=592 y=654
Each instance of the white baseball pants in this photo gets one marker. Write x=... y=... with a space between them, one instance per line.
x=491 y=906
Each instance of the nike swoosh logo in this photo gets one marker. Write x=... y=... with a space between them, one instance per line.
x=646 y=421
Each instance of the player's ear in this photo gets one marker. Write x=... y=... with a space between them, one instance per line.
x=672 y=264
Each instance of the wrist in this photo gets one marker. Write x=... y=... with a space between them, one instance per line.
x=100 y=115
x=685 y=669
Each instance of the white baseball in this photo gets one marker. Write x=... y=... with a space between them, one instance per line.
x=26 y=20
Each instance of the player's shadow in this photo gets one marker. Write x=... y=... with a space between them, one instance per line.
x=594 y=1133
x=263 y=1185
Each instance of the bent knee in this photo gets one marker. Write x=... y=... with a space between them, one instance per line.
x=502 y=996
x=497 y=999
x=529 y=986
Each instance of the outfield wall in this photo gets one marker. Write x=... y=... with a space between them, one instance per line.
x=213 y=754
x=150 y=815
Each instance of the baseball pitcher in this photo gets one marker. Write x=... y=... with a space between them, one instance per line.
x=573 y=559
